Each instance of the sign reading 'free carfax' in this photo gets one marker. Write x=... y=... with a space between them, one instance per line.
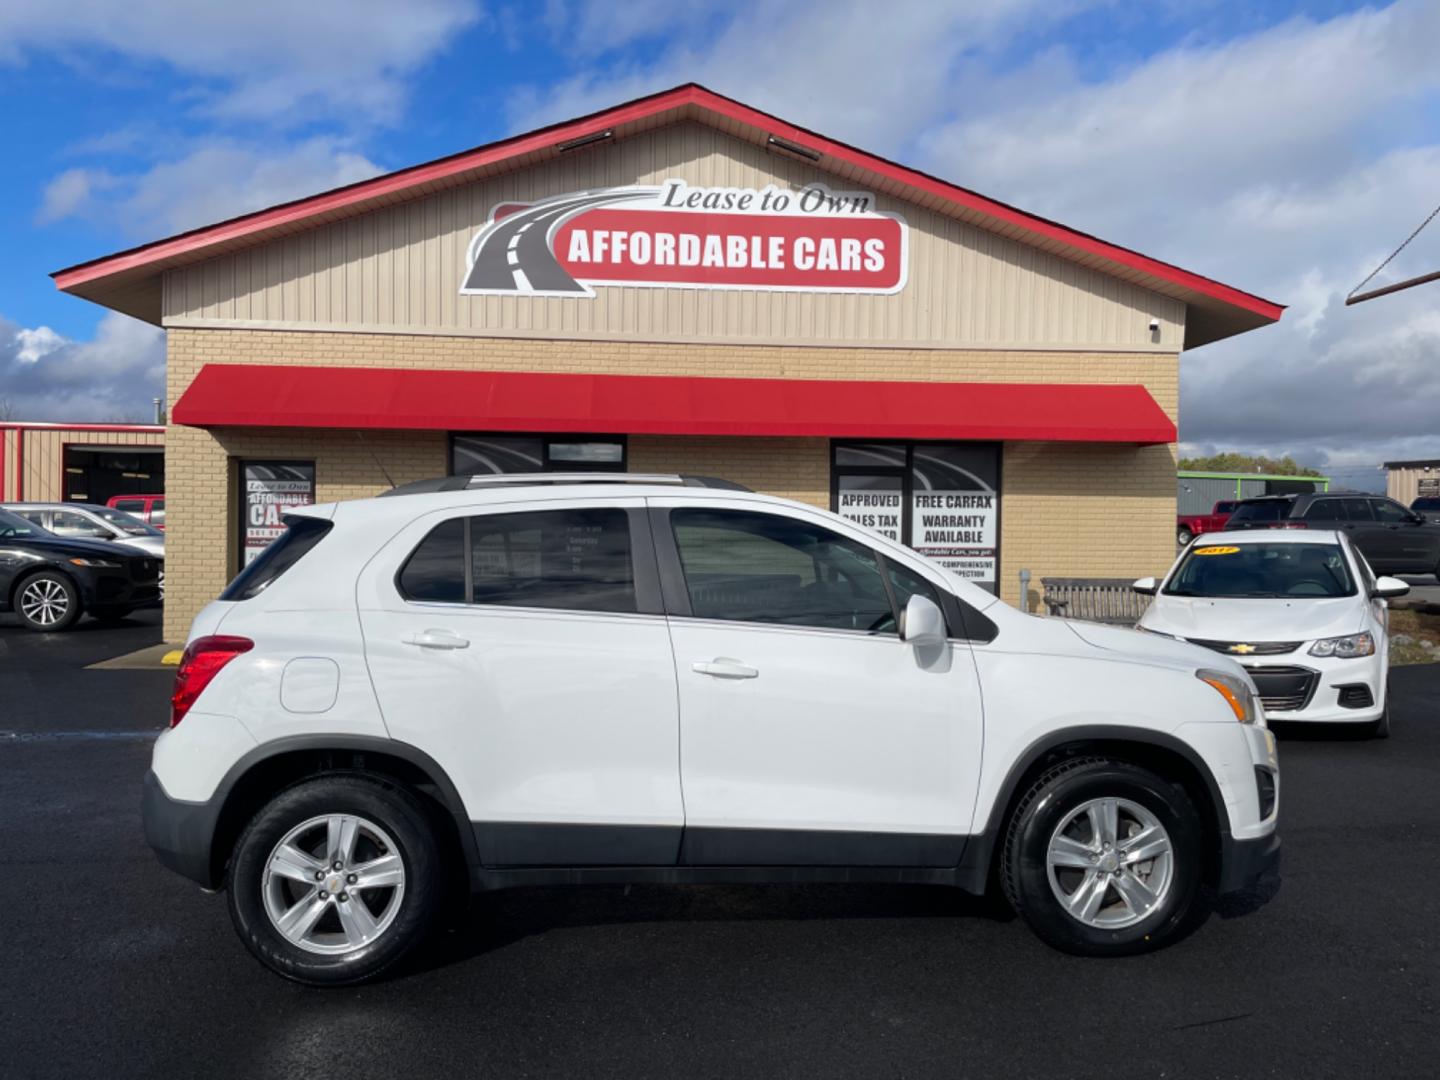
x=677 y=236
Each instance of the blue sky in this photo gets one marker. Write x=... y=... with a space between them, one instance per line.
x=1282 y=147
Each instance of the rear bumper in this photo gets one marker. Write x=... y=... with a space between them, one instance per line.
x=181 y=833
x=1243 y=862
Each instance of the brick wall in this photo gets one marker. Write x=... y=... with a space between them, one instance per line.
x=1102 y=510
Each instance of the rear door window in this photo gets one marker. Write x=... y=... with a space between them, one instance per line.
x=1358 y=510
x=435 y=571
x=1261 y=511
x=577 y=560
x=1325 y=510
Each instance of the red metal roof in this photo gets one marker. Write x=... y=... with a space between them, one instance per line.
x=225 y=395
x=112 y=279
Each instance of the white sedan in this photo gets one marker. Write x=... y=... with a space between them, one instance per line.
x=1302 y=611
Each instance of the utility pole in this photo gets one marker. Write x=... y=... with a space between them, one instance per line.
x=1388 y=289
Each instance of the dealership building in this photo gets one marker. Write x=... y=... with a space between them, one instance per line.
x=681 y=283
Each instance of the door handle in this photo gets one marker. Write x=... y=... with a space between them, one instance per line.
x=437 y=639
x=724 y=668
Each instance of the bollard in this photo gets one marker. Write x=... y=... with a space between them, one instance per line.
x=1025 y=591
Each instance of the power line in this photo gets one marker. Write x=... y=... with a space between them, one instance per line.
x=1350 y=297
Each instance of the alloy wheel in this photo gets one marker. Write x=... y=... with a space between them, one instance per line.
x=44 y=601
x=333 y=884
x=1110 y=863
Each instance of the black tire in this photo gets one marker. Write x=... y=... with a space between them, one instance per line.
x=110 y=615
x=1184 y=536
x=387 y=805
x=1053 y=799
x=1380 y=729
x=48 y=582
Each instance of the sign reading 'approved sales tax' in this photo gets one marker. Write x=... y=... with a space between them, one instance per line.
x=677 y=236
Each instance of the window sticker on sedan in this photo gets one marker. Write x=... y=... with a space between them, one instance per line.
x=1216 y=551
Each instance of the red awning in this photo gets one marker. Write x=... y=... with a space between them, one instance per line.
x=233 y=395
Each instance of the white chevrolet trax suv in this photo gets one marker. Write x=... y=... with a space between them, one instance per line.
x=563 y=680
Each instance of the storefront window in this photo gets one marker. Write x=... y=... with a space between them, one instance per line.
x=477 y=455
x=268 y=490
x=942 y=499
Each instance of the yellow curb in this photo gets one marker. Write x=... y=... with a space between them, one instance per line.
x=172 y=657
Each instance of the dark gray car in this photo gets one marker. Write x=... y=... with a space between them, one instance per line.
x=1429 y=505
x=1394 y=539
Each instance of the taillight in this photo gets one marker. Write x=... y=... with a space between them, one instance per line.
x=203 y=659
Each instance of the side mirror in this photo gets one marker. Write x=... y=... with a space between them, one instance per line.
x=1417 y=517
x=922 y=623
x=1149 y=586
x=1387 y=588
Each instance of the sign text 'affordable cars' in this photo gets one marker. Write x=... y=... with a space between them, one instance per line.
x=678 y=236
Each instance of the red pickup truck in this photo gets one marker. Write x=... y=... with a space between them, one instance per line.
x=1189 y=526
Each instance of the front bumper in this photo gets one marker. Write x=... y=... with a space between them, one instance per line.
x=182 y=833
x=124 y=588
x=1333 y=681
x=1243 y=862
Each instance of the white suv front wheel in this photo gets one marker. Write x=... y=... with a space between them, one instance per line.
x=335 y=879
x=1103 y=857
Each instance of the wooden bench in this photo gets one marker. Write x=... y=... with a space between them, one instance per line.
x=1103 y=600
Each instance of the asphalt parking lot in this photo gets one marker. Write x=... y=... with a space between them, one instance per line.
x=116 y=966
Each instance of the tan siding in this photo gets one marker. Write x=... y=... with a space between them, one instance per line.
x=399 y=268
x=1403 y=485
x=44 y=457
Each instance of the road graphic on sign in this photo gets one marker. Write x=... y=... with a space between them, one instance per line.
x=515 y=255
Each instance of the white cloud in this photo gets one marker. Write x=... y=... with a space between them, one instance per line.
x=215 y=179
x=113 y=376
x=1288 y=162
x=274 y=60
x=70 y=192
x=871 y=74
x=31 y=345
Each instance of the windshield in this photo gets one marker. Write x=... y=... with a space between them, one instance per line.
x=1263 y=570
x=125 y=522
x=1269 y=510
x=14 y=527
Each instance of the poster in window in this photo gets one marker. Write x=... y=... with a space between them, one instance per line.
x=955 y=508
x=270 y=490
x=874 y=502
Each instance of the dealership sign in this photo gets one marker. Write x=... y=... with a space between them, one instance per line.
x=677 y=236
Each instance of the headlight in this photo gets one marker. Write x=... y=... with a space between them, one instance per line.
x=1235 y=690
x=97 y=563
x=1347 y=647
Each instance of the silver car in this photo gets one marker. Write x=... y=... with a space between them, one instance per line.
x=92 y=522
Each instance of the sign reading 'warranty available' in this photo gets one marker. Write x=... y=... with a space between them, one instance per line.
x=678 y=236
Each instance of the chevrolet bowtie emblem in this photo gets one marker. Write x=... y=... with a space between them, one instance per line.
x=1242 y=648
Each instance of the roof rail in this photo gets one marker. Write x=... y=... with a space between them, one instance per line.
x=554 y=479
